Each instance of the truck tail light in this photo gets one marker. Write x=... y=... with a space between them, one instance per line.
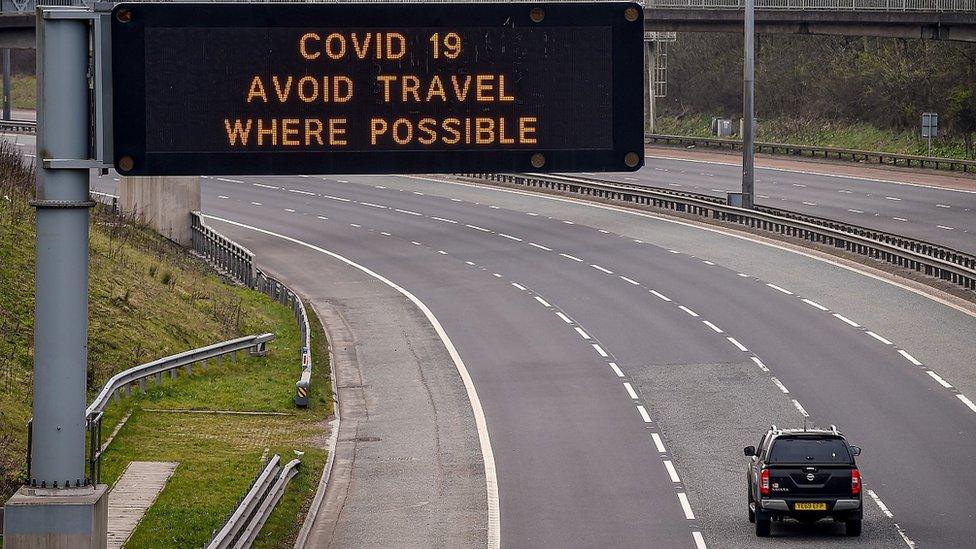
x=764 y=482
x=855 y=482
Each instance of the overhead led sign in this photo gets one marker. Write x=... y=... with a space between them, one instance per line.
x=377 y=88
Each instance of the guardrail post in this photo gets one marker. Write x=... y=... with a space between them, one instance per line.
x=301 y=393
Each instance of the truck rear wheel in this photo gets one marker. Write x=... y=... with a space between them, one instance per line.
x=854 y=527
x=763 y=525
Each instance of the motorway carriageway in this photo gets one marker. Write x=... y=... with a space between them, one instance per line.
x=623 y=360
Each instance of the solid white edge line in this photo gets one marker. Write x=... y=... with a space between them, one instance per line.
x=616 y=369
x=487 y=455
x=658 y=443
x=686 y=506
x=884 y=508
x=909 y=357
x=672 y=472
x=965 y=400
x=643 y=413
x=630 y=390
x=699 y=540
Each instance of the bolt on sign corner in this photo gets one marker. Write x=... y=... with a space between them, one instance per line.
x=377 y=88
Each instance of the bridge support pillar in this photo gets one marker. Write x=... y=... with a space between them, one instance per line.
x=163 y=203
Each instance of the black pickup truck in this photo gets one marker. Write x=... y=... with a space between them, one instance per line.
x=805 y=474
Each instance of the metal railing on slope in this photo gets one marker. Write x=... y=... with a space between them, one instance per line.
x=255 y=344
x=854 y=155
x=930 y=259
x=252 y=511
x=238 y=262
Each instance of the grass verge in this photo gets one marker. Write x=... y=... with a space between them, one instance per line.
x=825 y=133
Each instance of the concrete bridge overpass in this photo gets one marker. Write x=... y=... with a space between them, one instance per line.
x=923 y=19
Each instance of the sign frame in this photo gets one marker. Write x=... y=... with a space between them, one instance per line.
x=130 y=21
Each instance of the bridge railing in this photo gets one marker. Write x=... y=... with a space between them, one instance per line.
x=822 y=5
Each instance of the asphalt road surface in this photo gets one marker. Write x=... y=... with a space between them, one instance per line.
x=623 y=360
x=885 y=201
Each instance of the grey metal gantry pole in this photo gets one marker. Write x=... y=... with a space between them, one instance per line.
x=748 y=112
x=60 y=507
x=6 y=83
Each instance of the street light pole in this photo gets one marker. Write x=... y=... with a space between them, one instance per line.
x=748 y=112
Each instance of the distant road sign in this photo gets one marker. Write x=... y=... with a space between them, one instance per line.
x=930 y=124
x=376 y=88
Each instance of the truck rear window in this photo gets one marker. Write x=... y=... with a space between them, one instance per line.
x=809 y=450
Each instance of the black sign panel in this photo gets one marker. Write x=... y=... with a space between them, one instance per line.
x=377 y=88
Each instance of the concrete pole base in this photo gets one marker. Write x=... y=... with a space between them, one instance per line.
x=74 y=518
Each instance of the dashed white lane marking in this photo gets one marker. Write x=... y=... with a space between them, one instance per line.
x=568 y=222
x=630 y=391
x=810 y=203
x=643 y=413
x=339 y=198
x=510 y=237
x=899 y=219
x=355 y=225
x=289 y=210
x=712 y=326
x=221 y=196
x=630 y=280
x=533 y=214
x=658 y=443
x=938 y=379
x=946 y=228
x=442 y=252
x=846 y=320
x=496 y=275
x=414 y=192
x=519 y=286
x=909 y=357
x=564 y=318
x=779 y=384
x=380 y=187
x=470 y=263
x=759 y=363
x=660 y=295
x=484 y=439
x=671 y=471
x=262 y=185
x=371 y=205
x=305 y=176
x=540 y=246
x=856 y=211
x=599 y=350
x=779 y=289
x=574 y=258
x=707 y=262
x=604 y=231
x=943 y=206
x=455 y=200
x=345 y=181
x=234 y=181
x=543 y=302
x=415 y=243
x=616 y=369
x=256 y=204
x=799 y=407
x=322 y=217
x=384 y=233
x=879 y=338
x=687 y=310
x=743 y=275
x=965 y=400
x=299 y=191
x=443 y=219
x=602 y=269
x=582 y=334
x=884 y=508
x=699 y=540
x=494 y=207
x=893 y=198
x=674 y=251
x=735 y=342
x=799 y=185
x=477 y=228
x=814 y=304
x=686 y=506
x=409 y=212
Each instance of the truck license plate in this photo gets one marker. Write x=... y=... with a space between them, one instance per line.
x=810 y=506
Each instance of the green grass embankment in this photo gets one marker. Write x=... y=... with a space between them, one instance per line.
x=148 y=299
x=823 y=133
